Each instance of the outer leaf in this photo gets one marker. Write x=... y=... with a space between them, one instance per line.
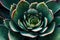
x=7 y=3
x=22 y=6
x=13 y=26
x=56 y=35
x=3 y=33
x=49 y=30
x=6 y=23
x=42 y=7
x=57 y=20
x=54 y=6
x=15 y=36
x=28 y=34
x=21 y=25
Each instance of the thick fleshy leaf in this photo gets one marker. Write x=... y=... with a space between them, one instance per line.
x=3 y=33
x=32 y=11
x=38 y=28
x=54 y=6
x=22 y=6
x=44 y=29
x=15 y=36
x=36 y=1
x=56 y=35
x=57 y=20
x=4 y=12
x=49 y=30
x=6 y=23
x=21 y=25
x=43 y=8
x=13 y=26
x=28 y=34
x=45 y=21
x=8 y=3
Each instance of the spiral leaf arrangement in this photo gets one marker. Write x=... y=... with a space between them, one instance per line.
x=32 y=20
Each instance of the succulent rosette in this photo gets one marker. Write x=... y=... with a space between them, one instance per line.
x=32 y=20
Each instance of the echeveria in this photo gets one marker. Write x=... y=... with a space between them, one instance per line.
x=35 y=21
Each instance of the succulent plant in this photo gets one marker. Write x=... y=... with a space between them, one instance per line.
x=36 y=20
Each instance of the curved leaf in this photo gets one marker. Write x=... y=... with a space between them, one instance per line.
x=22 y=6
x=57 y=20
x=56 y=35
x=15 y=36
x=3 y=33
x=27 y=34
x=54 y=6
x=45 y=21
x=21 y=25
x=13 y=26
x=8 y=3
x=42 y=7
x=49 y=30
x=44 y=29
x=32 y=11
x=38 y=28
x=6 y=23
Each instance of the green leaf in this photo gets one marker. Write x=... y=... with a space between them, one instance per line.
x=8 y=3
x=22 y=6
x=3 y=33
x=38 y=28
x=28 y=34
x=44 y=29
x=56 y=35
x=46 y=12
x=49 y=30
x=15 y=36
x=45 y=21
x=54 y=6
x=57 y=20
x=6 y=23
x=13 y=26
x=32 y=11
x=21 y=25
